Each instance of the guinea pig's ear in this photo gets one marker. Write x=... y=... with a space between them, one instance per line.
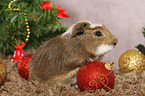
x=79 y=28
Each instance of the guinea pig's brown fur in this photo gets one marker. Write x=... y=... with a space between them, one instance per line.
x=58 y=60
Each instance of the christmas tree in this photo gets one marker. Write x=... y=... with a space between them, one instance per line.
x=31 y=21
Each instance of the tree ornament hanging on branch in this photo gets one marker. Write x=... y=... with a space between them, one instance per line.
x=19 y=18
x=19 y=53
x=48 y=6
x=26 y=20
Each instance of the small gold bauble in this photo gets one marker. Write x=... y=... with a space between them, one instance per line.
x=28 y=33
x=27 y=39
x=28 y=36
x=27 y=26
x=28 y=29
x=26 y=23
x=132 y=60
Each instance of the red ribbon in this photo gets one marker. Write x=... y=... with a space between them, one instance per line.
x=62 y=13
x=18 y=53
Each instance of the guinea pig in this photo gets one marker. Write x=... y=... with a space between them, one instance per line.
x=58 y=60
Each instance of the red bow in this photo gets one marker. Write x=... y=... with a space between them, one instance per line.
x=18 y=53
x=62 y=13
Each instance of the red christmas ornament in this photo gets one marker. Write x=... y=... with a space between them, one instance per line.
x=47 y=6
x=18 y=53
x=96 y=75
x=23 y=68
x=62 y=13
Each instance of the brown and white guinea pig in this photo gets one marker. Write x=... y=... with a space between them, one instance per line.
x=58 y=60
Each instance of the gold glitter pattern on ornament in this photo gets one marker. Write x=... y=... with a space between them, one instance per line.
x=131 y=60
x=102 y=78
x=2 y=72
x=92 y=83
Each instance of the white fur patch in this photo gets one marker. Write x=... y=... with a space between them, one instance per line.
x=102 y=49
x=69 y=31
x=95 y=25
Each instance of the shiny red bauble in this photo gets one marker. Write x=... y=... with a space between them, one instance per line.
x=95 y=75
x=47 y=5
x=23 y=67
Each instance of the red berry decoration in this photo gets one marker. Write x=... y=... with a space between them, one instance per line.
x=47 y=6
x=23 y=68
x=62 y=13
x=96 y=75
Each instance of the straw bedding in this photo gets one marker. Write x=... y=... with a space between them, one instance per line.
x=126 y=84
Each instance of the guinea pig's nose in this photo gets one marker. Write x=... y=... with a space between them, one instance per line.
x=115 y=42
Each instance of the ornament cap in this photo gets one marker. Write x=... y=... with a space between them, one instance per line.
x=109 y=65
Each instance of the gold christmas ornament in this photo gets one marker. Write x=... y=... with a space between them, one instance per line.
x=132 y=60
x=3 y=73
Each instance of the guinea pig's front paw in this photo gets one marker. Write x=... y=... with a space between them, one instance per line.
x=100 y=57
x=87 y=61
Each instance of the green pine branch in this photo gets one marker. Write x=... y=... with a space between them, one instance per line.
x=43 y=25
x=141 y=47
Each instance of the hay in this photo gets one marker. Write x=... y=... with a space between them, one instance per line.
x=132 y=83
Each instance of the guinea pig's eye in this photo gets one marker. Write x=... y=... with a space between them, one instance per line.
x=98 y=33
